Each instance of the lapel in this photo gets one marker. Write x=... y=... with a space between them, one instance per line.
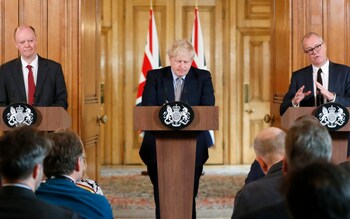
x=309 y=80
x=42 y=74
x=169 y=84
x=18 y=79
x=331 y=77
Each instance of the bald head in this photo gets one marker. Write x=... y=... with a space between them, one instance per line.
x=268 y=141
x=26 y=42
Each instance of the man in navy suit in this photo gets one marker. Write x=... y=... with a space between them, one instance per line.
x=304 y=85
x=22 y=152
x=160 y=88
x=50 y=87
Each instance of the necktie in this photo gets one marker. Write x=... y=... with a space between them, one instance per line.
x=178 y=88
x=319 y=97
x=31 y=85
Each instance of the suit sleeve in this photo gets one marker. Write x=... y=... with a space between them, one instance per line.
x=207 y=98
x=287 y=100
x=2 y=88
x=342 y=86
x=60 y=98
x=149 y=95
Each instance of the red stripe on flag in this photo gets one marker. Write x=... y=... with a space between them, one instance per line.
x=196 y=30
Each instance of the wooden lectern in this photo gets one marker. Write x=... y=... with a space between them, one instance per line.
x=49 y=119
x=339 y=137
x=176 y=154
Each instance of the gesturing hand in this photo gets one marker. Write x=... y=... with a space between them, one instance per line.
x=300 y=95
x=328 y=95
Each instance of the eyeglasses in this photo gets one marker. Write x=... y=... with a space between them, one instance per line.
x=311 y=51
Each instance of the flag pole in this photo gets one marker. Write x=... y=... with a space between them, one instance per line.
x=196 y=4
x=150 y=3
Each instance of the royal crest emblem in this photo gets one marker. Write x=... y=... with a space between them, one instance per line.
x=19 y=114
x=176 y=115
x=332 y=115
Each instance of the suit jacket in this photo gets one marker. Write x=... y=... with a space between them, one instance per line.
x=65 y=193
x=275 y=211
x=339 y=83
x=159 y=88
x=259 y=193
x=50 y=84
x=18 y=202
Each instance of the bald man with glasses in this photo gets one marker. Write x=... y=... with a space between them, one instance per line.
x=321 y=82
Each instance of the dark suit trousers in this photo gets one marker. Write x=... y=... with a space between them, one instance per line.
x=153 y=175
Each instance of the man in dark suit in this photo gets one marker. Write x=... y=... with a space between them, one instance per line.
x=49 y=84
x=269 y=149
x=304 y=86
x=307 y=141
x=22 y=152
x=160 y=88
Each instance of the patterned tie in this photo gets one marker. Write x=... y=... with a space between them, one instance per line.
x=178 y=88
x=319 y=97
x=31 y=85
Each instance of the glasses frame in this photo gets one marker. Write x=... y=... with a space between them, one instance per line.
x=314 y=49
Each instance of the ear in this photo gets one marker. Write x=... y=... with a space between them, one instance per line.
x=36 y=171
x=78 y=164
x=262 y=164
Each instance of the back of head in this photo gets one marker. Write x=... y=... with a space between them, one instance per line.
x=269 y=141
x=20 y=150
x=306 y=141
x=319 y=190
x=62 y=158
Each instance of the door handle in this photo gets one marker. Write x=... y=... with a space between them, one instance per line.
x=102 y=119
x=269 y=118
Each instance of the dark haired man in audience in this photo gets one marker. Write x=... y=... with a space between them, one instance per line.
x=22 y=152
x=63 y=166
x=319 y=190
x=307 y=141
x=269 y=150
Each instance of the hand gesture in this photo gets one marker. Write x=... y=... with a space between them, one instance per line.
x=300 y=95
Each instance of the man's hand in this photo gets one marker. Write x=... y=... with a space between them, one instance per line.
x=300 y=95
x=328 y=95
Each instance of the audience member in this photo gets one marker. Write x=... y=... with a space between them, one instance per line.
x=254 y=173
x=63 y=167
x=22 y=152
x=318 y=191
x=307 y=141
x=269 y=150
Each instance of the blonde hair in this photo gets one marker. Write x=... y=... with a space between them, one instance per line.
x=178 y=45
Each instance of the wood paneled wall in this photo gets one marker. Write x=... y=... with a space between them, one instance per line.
x=58 y=39
x=236 y=33
x=68 y=32
x=292 y=19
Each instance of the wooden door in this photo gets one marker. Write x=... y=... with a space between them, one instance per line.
x=253 y=67
x=90 y=79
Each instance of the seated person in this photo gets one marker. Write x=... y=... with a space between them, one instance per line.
x=269 y=150
x=63 y=167
x=319 y=190
x=22 y=152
